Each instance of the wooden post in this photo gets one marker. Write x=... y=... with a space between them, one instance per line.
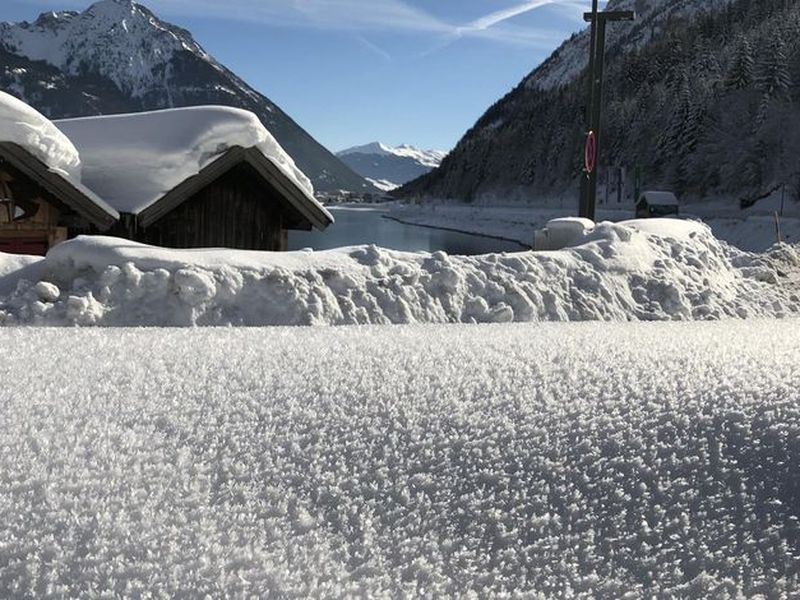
x=596 y=69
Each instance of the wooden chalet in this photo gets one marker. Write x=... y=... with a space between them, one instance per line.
x=197 y=177
x=240 y=200
x=40 y=207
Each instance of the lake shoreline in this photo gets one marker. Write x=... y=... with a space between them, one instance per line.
x=457 y=230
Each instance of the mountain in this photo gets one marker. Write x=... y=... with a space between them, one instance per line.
x=390 y=167
x=702 y=96
x=117 y=56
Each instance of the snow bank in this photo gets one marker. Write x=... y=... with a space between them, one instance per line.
x=638 y=270
x=26 y=127
x=552 y=461
x=133 y=160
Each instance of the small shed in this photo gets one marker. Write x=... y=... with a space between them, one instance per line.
x=40 y=207
x=196 y=177
x=657 y=204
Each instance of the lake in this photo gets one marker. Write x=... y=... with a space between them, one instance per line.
x=358 y=226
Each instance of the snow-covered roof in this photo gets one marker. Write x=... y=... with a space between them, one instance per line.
x=133 y=160
x=660 y=198
x=57 y=167
x=25 y=126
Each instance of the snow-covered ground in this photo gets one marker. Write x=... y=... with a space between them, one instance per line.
x=752 y=230
x=563 y=460
x=646 y=270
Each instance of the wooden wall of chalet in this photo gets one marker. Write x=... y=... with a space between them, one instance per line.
x=235 y=211
x=37 y=232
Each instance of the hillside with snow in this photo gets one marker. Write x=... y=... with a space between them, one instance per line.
x=117 y=56
x=389 y=167
x=701 y=96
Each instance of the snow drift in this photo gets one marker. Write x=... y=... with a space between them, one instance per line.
x=26 y=127
x=654 y=270
x=530 y=461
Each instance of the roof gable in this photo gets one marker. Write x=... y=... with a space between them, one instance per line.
x=75 y=195
x=304 y=203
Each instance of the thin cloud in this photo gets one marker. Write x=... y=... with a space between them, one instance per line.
x=374 y=48
x=500 y=16
x=358 y=16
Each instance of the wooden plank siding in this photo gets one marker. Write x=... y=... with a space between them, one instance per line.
x=237 y=210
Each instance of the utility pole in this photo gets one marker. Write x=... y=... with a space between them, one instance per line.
x=597 y=53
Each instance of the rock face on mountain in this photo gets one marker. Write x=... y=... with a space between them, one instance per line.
x=117 y=56
x=390 y=167
x=702 y=96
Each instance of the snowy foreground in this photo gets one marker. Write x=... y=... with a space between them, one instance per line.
x=638 y=270
x=438 y=461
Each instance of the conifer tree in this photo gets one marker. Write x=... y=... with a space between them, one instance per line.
x=773 y=80
x=740 y=75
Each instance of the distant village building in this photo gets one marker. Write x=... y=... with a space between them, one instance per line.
x=182 y=178
x=657 y=204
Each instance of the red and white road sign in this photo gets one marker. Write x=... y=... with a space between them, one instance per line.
x=590 y=153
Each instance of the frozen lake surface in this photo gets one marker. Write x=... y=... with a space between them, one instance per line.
x=357 y=226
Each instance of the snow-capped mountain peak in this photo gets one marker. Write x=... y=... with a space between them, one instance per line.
x=389 y=167
x=121 y=39
x=426 y=158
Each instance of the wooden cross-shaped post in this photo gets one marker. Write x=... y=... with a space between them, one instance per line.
x=597 y=52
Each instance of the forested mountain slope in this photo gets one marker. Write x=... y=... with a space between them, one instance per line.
x=703 y=96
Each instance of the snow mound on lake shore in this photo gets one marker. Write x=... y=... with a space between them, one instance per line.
x=669 y=270
x=549 y=461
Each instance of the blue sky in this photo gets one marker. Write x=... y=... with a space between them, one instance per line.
x=354 y=71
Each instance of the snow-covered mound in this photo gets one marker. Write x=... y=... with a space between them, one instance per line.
x=550 y=461
x=26 y=127
x=636 y=270
x=133 y=160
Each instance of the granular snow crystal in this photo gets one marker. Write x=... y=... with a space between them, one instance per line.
x=601 y=460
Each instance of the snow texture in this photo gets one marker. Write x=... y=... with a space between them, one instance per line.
x=26 y=127
x=133 y=160
x=638 y=270
x=517 y=461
